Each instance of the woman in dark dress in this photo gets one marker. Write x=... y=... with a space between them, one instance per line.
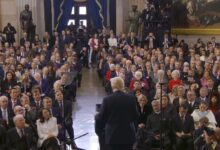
x=9 y=82
x=144 y=108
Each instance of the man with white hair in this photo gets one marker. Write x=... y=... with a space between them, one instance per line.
x=6 y=114
x=154 y=125
x=19 y=110
x=43 y=83
x=20 y=137
x=117 y=118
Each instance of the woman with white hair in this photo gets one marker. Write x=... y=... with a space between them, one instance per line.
x=145 y=109
x=138 y=76
x=175 y=80
x=111 y=73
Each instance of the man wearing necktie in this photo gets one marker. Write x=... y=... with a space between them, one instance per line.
x=192 y=101
x=36 y=94
x=5 y=113
x=183 y=126
x=14 y=98
x=47 y=103
x=20 y=137
x=65 y=107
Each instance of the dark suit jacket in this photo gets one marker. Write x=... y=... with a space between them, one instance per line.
x=117 y=118
x=14 y=141
x=57 y=113
x=2 y=138
x=67 y=108
x=186 y=127
x=22 y=41
x=192 y=108
x=10 y=119
x=133 y=42
x=10 y=104
x=206 y=100
x=33 y=103
x=66 y=117
x=146 y=112
x=44 y=86
x=154 y=125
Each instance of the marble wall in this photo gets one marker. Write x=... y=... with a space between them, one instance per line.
x=10 y=12
x=123 y=7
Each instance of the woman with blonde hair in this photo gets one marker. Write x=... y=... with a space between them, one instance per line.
x=144 y=109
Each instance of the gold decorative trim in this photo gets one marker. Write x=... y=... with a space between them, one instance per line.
x=100 y=12
x=60 y=15
x=196 y=31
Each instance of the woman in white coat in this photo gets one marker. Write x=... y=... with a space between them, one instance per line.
x=47 y=130
x=203 y=111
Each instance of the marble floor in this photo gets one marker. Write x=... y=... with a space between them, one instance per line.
x=90 y=94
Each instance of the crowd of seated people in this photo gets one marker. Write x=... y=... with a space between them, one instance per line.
x=38 y=85
x=39 y=80
x=190 y=91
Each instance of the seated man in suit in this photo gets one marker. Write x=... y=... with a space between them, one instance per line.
x=14 y=101
x=154 y=126
x=203 y=93
x=6 y=114
x=55 y=112
x=183 y=126
x=42 y=83
x=20 y=137
x=117 y=117
x=2 y=137
x=192 y=101
x=30 y=112
x=37 y=100
x=212 y=140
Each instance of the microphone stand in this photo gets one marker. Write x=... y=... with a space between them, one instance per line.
x=63 y=115
x=161 y=117
x=65 y=138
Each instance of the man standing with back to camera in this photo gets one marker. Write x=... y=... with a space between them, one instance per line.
x=117 y=117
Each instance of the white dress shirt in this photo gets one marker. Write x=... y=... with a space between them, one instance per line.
x=5 y=114
x=112 y=42
x=197 y=115
x=45 y=129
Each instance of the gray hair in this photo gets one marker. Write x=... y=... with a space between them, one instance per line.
x=24 y=96
x=155 y=102
x=19 y=116
x=160 y=72
x=138 y=74
x=175 y=72
x=3 y=98
x=16 y=108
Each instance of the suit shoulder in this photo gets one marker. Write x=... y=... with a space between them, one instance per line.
x=10 y=131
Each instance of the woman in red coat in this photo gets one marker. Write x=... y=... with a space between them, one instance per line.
x=139 y=77
x=175 y=80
